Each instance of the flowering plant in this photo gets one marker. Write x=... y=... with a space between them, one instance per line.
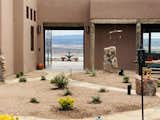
x=8 y=117
x=66 y=103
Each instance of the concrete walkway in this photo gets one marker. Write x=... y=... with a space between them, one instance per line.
x=150 y=114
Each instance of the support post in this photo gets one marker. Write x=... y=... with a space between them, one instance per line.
x=92 y=46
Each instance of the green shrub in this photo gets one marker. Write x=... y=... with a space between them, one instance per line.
x=125 y=79
x=66 y=103
x=21 y=74
x=23 y=79
x=61 y=81
x=52 y=81
x=93 y=73
x=121 y=72
x=43 y=78
x=17 y=75
x=102 y=90
x=34 y=100
x=67 y=92
x=96 y=100
x=158 y=83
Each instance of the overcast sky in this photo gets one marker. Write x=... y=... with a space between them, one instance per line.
x=67 y=32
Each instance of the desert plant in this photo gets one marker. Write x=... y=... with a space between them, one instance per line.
x=23 y=79
x=34 y=100
x=96 y=100
x=21 y=74
x=8 y=117
x=158 y=83
x=43 y=78
x=125 y=79
x=93 y=73
x=52 y=81
x=102 y=90
x=17 y=75
x=66 y=103
x=67 y=92
x=61 y=81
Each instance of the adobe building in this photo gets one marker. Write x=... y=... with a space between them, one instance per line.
x=23 y=23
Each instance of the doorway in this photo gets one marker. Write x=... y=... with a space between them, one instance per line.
x=64 y=49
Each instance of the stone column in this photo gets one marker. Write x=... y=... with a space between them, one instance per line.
x=138 y=41
x=92 y=45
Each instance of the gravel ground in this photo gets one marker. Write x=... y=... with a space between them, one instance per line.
x=105 y=78
x=14 y=99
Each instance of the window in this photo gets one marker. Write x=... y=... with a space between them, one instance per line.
x=146 y=42
x=27 y=12
x=32 y=38
x=35 y=15
x=155 y=42
x=31 y=13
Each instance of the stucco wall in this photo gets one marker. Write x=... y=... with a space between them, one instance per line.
x=63 y=12
x=0 y=22
x=30 y=57
x=7 y=33
x=110 y=9
x=126 y=46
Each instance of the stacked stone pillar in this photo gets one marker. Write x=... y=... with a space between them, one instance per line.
x=110 y=60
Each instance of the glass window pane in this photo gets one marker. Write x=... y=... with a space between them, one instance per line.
x=146 y=42
x=155 y=42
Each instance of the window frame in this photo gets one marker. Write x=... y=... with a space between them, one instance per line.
x=32 y=38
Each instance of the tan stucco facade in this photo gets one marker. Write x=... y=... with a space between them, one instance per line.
x=97 y=17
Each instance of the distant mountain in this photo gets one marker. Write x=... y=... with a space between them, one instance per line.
x=68 y=40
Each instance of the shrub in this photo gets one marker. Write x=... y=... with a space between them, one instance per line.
x=66 y=103
x=43 y=78
x=17 y=75
x=52 y=81
x=61 y=81
x=67 y=92
x=158 y=83
x=125 y=79
x=8 y=117
x=23 y=79
x=102 y=90
x=96 y=100
x=93 y=73
x=21 y=74
x=34 y=100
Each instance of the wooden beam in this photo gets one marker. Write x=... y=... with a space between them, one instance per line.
x=92 y=48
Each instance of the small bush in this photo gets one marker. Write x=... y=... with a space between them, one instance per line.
x=23 y=79
x=158 y=83
x=34 y=100
x=61 y=81
x=8 y=117
x=125 y=79
x=96 y=100
x=21 y=74
x=102 y=90
x=17 y=75
x=43 y=78
x=66 y=103
x=52 y=81
x=67 y=92
x=93 y=74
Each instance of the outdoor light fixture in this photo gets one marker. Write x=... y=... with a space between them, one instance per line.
x=141 y=63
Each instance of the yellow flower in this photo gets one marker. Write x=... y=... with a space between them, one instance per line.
x=8 y=117
x=66 y=103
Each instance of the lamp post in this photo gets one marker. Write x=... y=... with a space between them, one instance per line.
x=141 y=64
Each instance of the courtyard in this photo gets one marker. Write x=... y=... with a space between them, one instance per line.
x=15 y=97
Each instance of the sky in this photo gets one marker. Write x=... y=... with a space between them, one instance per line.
x=154 y=35
x=66 y=32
